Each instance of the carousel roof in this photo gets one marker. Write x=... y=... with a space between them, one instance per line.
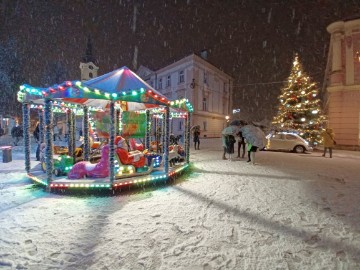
x=121 y=85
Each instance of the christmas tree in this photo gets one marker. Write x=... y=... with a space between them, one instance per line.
x=299 y=109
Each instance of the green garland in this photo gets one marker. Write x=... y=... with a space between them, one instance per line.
x=69 y=128
x=167 y=139
x=117 y=122
x=26 y=134
x=112 y=142
x=41 y=126
x=163 y=130
x=86 y=134
x=49 y=140
x=187 y=143
x=73 y=133
x=148 y=129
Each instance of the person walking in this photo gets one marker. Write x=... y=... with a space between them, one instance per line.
x=329 y=141
x=197 y=138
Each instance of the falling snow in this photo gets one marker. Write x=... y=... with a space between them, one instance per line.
x=253 y=41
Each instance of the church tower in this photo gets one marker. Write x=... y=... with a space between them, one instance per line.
x=87 y=66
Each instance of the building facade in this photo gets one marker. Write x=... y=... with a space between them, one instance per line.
x=206 y=87
x=343 y=86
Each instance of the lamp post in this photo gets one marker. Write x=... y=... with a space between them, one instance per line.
x=227 y=118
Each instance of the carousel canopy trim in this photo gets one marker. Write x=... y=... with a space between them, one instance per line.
x=119 y=85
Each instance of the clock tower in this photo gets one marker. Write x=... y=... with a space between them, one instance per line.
x=87 y=66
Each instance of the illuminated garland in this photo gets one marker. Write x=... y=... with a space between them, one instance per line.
x=148 y=130
x=166 y=139
x=112 y=141
x=70 y=131
x=187 y=137
x=41 y=126
x=26 y=135
x=49 y=140
x=86 y=134
x=182 y=104
x=164 y=127
x=117 y=122
x=28 y=92
x=73 y=133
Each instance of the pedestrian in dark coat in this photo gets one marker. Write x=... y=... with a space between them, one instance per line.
x=16 y=133
x=36 y=134
x=241 y=144
x=197 y=138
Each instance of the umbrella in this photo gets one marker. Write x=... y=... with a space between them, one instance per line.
x=195 y=127
x=235 y=123
x=254 y=135
x=230 y=130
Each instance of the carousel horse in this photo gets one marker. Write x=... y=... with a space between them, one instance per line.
x=135 y=158
x=86 y=169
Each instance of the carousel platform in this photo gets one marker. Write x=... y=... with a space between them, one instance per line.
x=38 y=176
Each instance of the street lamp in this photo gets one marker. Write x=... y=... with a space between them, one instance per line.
x=227 y=118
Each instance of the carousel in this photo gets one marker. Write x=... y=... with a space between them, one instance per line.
x=126 y=128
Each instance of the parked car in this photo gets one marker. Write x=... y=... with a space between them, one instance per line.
x=284 y=141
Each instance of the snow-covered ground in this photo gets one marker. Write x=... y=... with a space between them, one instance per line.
x=289 y=211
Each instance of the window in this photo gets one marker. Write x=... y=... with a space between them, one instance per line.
x=204 y=104
x=160 y=83
x=181 y=76
x=290 y=137
x=277 y=136
x=180 y=125
x=205 y=126
x=205 y=77
x=168 y=81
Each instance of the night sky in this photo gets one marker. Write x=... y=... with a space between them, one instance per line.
x=254 y=41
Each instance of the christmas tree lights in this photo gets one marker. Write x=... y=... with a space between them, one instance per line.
x=299 y=109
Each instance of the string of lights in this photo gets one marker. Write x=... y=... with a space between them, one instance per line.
x=299 y=109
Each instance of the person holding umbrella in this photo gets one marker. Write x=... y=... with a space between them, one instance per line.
x=228 y=137
x=255 y=138
x=241 y=142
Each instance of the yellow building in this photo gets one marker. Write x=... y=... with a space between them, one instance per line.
x=343 y=85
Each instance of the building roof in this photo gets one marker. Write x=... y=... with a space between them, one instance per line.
x=191 y=58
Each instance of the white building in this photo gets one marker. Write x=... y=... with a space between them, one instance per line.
x=206 y=87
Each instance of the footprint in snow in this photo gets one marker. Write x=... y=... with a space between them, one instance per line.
x=30 y=247
x=313 y=240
